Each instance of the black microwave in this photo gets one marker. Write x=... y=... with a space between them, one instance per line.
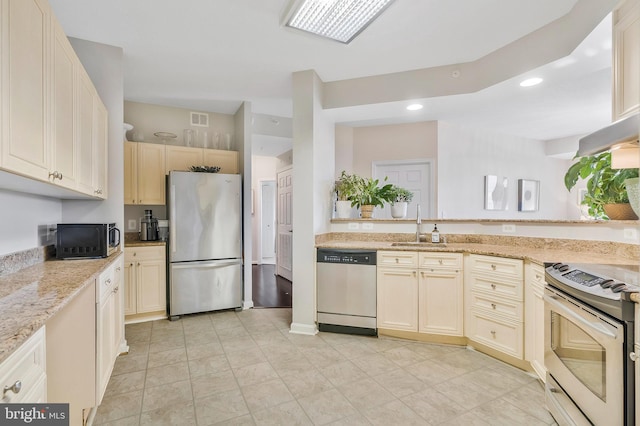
x=82 y=240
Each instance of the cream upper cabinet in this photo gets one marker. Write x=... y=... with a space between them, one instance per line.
x=63 y=120
x=25 y=86
x=100 y=148
x=53 y=122
x=150 y=174
x=130 y=173
x=182 y=158
x=226 y=160
x=626 y=59
x=534 y=318
x=440 y=294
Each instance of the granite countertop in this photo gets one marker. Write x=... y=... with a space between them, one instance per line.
x=537 y=255
x=144 y=243
x=31 y=296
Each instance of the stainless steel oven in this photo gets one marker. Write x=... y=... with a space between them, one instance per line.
x=589 y=344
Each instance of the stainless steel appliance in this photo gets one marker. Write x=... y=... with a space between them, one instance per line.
x=589 y=343
x=148 y=227
x=346 y=290
x=205 y=242
x=86 y=240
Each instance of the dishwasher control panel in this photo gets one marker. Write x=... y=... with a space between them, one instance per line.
x=357 y=257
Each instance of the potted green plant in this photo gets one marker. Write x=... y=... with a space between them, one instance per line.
x=369 y=195
x=400 y=200
x=606 y=195
x=345 y=188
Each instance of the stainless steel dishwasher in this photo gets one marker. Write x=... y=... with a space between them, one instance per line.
x=346 y=289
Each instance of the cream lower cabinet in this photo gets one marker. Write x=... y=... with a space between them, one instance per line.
x=23 y=374
x=534 y=317
x=145 y=283
x=109 y=323
x=440 y=294
x=494 y=308
x=397 y=282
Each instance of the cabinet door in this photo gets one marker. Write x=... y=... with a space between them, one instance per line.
x=25 y=87
x=84 y=114
x=104 y=338
x=226 y=160
x=397 y=299
x=63 y=142
x=151 y=174
x=440 y=306
x=534 y=319
x=130 y=284
x=130 y=173
x=99 y=138
x=118 y=299
x=626 y=60
x=151 y=286
x=182 y=158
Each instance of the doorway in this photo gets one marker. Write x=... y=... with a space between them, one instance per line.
x=415 y=175
x=268 y=221
x=284 y=257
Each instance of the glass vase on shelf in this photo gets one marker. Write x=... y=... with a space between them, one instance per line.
x=188 y=137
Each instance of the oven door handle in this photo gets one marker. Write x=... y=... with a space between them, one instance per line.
x=563 y=309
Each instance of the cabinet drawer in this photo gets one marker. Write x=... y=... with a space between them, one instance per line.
x=105 y=284
x=144 y=253
x=505 y=336
x=404 y=259
x=511 y=289
x=505 y=267
x=508 y=308
x=534 y=275
x=440 y=260
x=27 y=365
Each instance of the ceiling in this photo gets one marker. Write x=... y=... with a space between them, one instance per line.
x=213 y=54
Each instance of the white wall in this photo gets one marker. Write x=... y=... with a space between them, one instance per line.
x=466 y=155
x=393 y=142
x=104 y=66
x=344 y=150
x=24 y=219
x=262 y=169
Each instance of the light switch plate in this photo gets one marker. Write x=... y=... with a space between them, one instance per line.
x=367 y=226
x=630 y=234
x=353 y=226
x=132 y=225
x=508 y=228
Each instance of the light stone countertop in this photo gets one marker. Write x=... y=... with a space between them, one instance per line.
x=144 y=243
x=537 y=255
x=31 y=296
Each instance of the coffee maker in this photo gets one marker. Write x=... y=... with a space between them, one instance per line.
x=148 y=227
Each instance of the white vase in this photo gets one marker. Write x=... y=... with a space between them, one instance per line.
x=399 y=209
x=633 y=191
x=343 y=209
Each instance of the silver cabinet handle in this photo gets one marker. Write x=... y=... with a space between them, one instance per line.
x=115 y=290
x=17 y=386
x=108 y=281
x=59 y=175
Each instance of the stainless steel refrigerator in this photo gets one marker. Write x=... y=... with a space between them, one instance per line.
x=205 y=242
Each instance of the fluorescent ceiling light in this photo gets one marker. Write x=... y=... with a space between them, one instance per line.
x=531 y=82
x=414 y=107
x=340 y=20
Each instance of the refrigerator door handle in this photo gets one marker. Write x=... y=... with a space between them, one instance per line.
x=172 y=215
x=206 y=264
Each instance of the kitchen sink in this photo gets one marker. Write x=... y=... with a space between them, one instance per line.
x=418 y=244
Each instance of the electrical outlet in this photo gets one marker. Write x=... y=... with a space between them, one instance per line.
x=508 y=228
x=630 y=233
x=132 y=225
x=353 y=226
x=367 y=226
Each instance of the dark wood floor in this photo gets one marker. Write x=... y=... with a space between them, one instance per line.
x=270 y=290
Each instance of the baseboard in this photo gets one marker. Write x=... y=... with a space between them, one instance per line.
x=307 y=329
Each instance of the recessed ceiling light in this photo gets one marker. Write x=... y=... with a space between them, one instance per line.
x=340 y=20
x=531 y=82
x=414 y=107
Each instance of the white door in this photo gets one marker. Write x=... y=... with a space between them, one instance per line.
x=285 y=229
x=415 y=175
x=268 y=222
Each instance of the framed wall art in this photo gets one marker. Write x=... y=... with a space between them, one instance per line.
x=528 y=195
x=495 y=192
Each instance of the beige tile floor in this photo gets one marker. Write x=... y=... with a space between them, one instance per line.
x=245 y=368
